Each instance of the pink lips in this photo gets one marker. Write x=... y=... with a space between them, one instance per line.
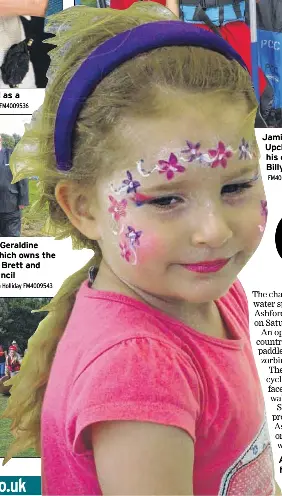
x=203 y=267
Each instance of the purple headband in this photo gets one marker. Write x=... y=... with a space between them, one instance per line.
x=114 y=52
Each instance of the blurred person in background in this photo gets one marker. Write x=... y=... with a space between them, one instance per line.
x=13 y=197
x=3 y=355
x=15 y=344
x=53 y=7
x=24 y=59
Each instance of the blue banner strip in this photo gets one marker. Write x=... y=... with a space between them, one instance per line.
x=270 y=60
x=21 y=485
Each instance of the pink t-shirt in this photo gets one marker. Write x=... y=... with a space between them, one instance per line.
x=120 y=359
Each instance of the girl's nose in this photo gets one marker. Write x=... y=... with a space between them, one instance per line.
x=211 y=230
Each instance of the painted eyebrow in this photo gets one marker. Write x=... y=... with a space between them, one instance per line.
x=169 y=186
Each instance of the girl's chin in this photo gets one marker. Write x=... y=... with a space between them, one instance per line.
x=202 y=291
x=185 y=285
x=194 y=294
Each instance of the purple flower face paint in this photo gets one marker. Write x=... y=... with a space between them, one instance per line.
x=131 y=185
x=264 y=214
x=133 y=236
x=128 y=185
x=193 y=151
x=264 y=210
x=244 y=149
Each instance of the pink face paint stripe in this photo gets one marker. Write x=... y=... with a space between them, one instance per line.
x=140 y=198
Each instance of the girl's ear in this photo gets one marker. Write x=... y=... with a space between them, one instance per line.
x=74 y=201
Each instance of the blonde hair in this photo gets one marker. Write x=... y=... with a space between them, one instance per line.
x=130 y=89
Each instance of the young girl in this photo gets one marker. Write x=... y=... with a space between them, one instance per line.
x=13 y=363
x=155 y=168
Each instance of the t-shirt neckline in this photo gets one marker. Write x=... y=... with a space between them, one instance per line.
x=236 y=343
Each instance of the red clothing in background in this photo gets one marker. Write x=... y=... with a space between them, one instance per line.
x=238 y=35
x=124 y=4
x=13 y=365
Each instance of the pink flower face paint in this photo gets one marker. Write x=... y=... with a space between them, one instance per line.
x=220 y=155
x=124 y=251
x=170 y=167
x=117 y=209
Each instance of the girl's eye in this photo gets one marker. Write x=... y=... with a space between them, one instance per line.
x=235 y=189
x=165 y=202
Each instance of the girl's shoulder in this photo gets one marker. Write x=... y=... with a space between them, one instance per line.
x=106 y=308
x=235 y=301
x=105 y=324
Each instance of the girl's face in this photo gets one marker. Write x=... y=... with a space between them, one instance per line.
x=185 y=209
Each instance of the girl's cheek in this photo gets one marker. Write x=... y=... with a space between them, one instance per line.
x=151 y=248
x=254 y=226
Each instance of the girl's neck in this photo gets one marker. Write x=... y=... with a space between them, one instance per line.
x=203 y=317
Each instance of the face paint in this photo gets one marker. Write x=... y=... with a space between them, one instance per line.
x=140 y=198
x=133 y=236
x=128 y=249
x=117 y=209
x=124 y=251
x=264 y=214
x=264 y=210
x=131 y=185
x=193 y=151
x=214 y=157
x=170 y=167
x=244 y=149
x=128 y=185
x=143 y=172
x=217 y=156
